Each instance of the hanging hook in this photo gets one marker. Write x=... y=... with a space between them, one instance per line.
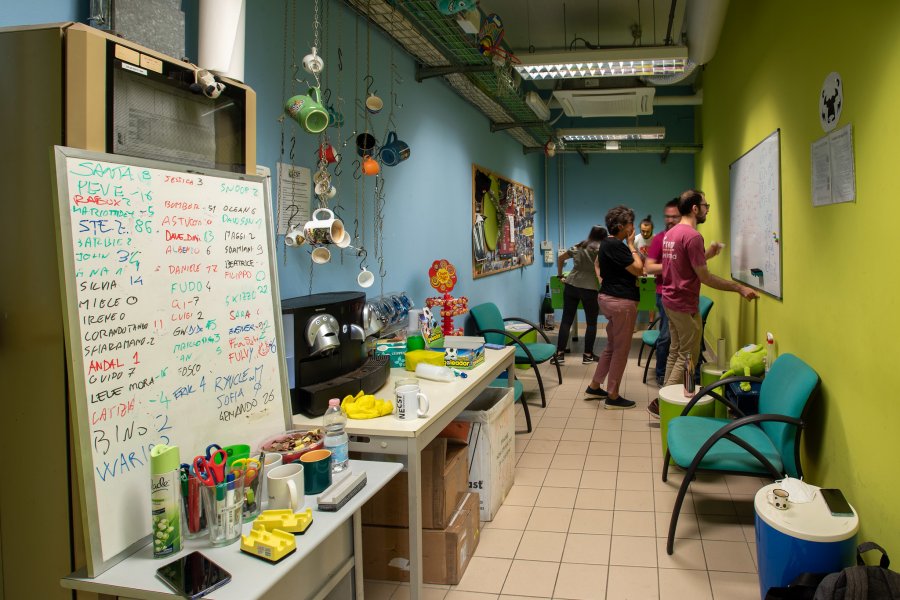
x=293 y=143
x=394 y=100
x=338 y=170
x=361 y=252
x=370 y=81
x=382 y=272
x=326 y=96
x=356 y=165
x=340 y=59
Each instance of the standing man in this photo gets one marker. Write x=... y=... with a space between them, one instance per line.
x=653 y=266
x=683 y=270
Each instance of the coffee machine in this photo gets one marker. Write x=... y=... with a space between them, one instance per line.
x=325 y=348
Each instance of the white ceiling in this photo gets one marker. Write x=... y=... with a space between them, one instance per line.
x=554 y=24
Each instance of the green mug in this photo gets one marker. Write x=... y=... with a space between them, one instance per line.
x=316 y=471
x=308 y=111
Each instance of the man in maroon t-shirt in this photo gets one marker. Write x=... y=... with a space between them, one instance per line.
x=683 y=270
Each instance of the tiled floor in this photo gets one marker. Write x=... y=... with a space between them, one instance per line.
x=588 y=515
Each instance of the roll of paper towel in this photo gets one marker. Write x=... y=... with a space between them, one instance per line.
x=221 y=38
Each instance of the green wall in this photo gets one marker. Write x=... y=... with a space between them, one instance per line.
x=840 y=280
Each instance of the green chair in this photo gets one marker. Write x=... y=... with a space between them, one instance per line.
x=490 y=324
x=649 y=337
x=763 y=445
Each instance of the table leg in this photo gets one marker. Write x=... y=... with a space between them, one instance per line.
x=358 y=585
x=414 y=471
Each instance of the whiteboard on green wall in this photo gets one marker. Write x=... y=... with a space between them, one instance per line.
x=173 y=327
x=756 y=217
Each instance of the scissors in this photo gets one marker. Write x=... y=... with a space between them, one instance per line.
x=210 y=469
x=247 y=467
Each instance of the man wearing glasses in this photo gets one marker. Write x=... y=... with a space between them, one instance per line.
x=683 y=270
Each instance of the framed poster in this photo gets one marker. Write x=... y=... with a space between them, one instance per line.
x=502 y=223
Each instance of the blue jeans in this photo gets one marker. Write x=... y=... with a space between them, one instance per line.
x=663 y=341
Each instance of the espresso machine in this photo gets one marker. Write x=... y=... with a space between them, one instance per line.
x=325 y=348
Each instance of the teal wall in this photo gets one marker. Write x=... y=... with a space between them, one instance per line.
x=34 y=12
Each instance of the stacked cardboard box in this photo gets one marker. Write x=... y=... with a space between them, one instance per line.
x=450 y=519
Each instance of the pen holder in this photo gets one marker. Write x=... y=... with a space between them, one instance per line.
x=224 y=503
x=193 y=516
x=253 y=495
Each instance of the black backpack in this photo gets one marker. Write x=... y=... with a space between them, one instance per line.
x=853 y=583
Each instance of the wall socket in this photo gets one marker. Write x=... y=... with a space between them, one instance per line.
x=548 y=257
x=546 y=245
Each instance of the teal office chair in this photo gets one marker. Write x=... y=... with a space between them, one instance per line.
x=763 y=445
x=490 y=324
x=649 y=337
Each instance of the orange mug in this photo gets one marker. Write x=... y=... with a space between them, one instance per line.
x=370 y=166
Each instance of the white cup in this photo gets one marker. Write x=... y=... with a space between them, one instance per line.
x=321 y=176
x=344 y=241
x=270 y=461
x=286 y=487
x=323 y=227
x=313 y=63
x=321 y=255
x=409 y=400
x=365 y=278
x=778 y=498
x=294 y=237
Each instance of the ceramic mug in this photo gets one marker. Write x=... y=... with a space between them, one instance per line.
x=335 y=117
x=321 y=255
x=313 y=63
x=321 y=176
x=370 y=166
x=323 y=228
x=365 y=278
x=308 y=111
x=365 y=144
x=316 y=471
x=329 y=154
x=326 y=190
x=270 y=461
x=409 y=400
x=394 y=150
x=778 y=498
x=344 y=241
x=449 y=7
x=294 y=237
x=285 y=487
x=374 y=104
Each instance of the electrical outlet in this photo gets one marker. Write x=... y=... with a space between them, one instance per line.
x=548 y=257
x=546 y=245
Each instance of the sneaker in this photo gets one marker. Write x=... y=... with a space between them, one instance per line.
x=653 y=408
x=587 y=359
x=596 y=392
x=618 y=403
x=660 y=381
x=558 y=359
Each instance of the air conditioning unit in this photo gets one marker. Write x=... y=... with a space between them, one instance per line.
x=623 y=102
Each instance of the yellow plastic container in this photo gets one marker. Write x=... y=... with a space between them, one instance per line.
x=431 y=357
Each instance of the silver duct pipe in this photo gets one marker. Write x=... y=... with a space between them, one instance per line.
x=695 y=100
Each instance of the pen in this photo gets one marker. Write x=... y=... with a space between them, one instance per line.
x=229 y=505
x=220 y=505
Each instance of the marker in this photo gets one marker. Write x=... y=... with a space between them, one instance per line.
x=220 y=505
x=229 y=505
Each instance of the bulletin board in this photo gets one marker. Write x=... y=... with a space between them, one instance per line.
x=756 y=217
x=502 y=223
x=173 y=327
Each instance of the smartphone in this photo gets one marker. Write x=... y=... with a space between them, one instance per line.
x=836 y=502
x=193 y=575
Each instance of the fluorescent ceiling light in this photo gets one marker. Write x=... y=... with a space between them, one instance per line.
x=614 y=62
x=536 y=104
x=611 y=133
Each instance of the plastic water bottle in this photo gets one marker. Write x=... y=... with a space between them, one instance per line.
x=336 y=438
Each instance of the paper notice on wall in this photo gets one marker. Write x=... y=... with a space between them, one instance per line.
x=833 y=169
x=293 y=197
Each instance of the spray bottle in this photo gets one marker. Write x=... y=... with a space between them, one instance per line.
x=165 y=502
x=770 y=350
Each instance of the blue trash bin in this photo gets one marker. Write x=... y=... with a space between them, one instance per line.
x=805 y=538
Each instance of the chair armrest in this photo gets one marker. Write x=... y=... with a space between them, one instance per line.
x=527 y=322
x=653 y=324
x=514 y=340
x=708 y=391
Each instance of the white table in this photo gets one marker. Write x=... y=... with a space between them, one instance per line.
x=325 y=554
x=387 y=435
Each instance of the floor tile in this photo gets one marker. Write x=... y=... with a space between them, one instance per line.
x=688 y=554
x=603 y=449
x=532 y=460
x=598 y=480
x=484 y=575
x=551 y=421
x=728 y=556
x=718 y=527
x=461 y=595
x=604 y=435
x=632 y=449
x=676 y=584
x=498 y=543
x=560 y=498
x=542 y=446
x=636 y=437
x=541 y=545
x=734 y=586
x=511 y=517
x=568 y=461
x=577 y=435
x=522 y=495
x=595 y=499
x=607 y=425
x=632 y=523
x=687 y=526
x=706 y=483
x=632 y=551
x=632 y=583
x=428 y=593
x=665 y=502
x=532 y=578
x=636 y=464
x=601 y=463
x=591 y=521
x=713 y=504
x=528 y=476
x=570 y=447
x=563 y=477
x=634 y=481
x=581 y=582
x=549 y=519
x=378 y=590
x=586 y=548
x=634 y=500
x=548 y=433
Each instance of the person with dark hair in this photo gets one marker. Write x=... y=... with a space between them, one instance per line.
x=642 y=240
x=620 y=266
x=653 y=266
x=581 y=285
x=683 y=270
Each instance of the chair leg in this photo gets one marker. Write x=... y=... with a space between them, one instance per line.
x=641 y=353
x=665 y=471
x=558 y=373
x=525 y=410
x=676 y=510
x=540 y=381
x=647 y=364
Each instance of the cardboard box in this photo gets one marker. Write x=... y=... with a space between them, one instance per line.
x=492 y=443
x=463 y=352
x=395 y=350
x=444 y=479
x=445 y=553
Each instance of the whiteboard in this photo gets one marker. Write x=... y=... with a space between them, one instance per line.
x=756 y=216
x=173 y=327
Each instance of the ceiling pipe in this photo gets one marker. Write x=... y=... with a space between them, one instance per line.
x=695 y=100
x=704 y=20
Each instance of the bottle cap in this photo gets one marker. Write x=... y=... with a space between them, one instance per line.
x=334 y=402
x=164 y=459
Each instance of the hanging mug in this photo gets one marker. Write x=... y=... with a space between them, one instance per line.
x=365 y=278
x=294 y=237
x=328 y=154
x=449 y=7
x=325 y=230
x=335 y=117
x=365 y=144
x=374 y=104
x=394 y=150
x=321 y=255
x=308 y=111
x=326 y=190
x=370 y=166
x=344 y=241
x=313 y=63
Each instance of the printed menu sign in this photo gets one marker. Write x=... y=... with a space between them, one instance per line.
x=173 y=323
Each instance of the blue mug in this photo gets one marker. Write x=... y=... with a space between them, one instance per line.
x=449 y=7
x=394 y=151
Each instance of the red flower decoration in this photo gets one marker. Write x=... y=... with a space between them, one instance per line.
x=442 y=275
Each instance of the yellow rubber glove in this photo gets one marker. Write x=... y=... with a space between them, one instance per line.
x=365 y=406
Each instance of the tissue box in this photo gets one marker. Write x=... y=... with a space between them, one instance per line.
x=395 y=350
x=431 y=357
x=463 y=352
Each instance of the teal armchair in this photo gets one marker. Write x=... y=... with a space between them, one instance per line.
x=762 y=445
x=650 y=336
x=491 y=324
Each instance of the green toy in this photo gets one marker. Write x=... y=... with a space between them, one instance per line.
x=749 y=360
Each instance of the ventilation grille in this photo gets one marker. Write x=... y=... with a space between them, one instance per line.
x=606 y=103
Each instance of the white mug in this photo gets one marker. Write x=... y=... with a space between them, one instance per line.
x=286 y=487
x=365 y=278
x=294 y=237
x=313 y=63
x=406 y=396
x=778 y=498
x=321 y=255
x=270 y=461
x=323 y=228
x=344 y=241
